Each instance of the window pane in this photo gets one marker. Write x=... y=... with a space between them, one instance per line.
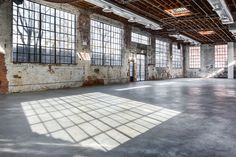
x=221 y=56
x=194 y=57
x=106 y=44
x=141 y=39
x=40 y=37
x=25 y=32
x=177 y=57
x=162 y=50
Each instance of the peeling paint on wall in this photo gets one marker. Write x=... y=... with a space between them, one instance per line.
x=207 y=69
x=3 y=74
x=33 y=77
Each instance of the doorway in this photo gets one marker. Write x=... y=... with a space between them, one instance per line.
x=131 y=71
x=141 y=67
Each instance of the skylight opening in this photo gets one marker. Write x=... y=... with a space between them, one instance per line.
x=206 y=32
x=178 y=12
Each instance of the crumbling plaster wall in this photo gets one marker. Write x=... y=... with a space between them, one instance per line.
x=105 y=74
x=153 y=72
x=33 y=77
x=3 y=73
x=207 y=69
x=3 y=34
x=234 y=60
x=169 y=72
x=137 y=48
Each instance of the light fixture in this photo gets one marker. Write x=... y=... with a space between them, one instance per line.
x=148 y=26
x=232 y=29
x=132 y=19
x=117 y=12
x=110 y=7
x=155 y=28
x=107 y=9
x=221 y=8
x=180 y=38
x=185 y=39
x=217 y=7
x=224 y=18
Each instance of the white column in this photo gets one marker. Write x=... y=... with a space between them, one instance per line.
x=231 y=60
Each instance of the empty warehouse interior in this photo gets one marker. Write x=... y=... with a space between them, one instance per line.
x=117 y=78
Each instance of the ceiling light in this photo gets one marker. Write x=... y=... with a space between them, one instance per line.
x=132 y=19
x=184 y=38
x=155 y=28
x=107 y=9
x=180 y=38
x=232 y=29
x=221 y=8
x=117 y=12
x=217 y=7
x=148 y=26
x=110 y=7
x=224 y=18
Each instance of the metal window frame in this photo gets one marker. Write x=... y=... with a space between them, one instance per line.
x=115 y=59
x=138 y=38
x=162 y=49
x=177 y=57
x=71 y=59
x=221 y=56
x=195 y=57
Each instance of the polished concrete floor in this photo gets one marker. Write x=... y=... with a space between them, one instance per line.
x=172 y=118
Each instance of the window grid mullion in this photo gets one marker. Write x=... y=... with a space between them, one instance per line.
x=40 y=44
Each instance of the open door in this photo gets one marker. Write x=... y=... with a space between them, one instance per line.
x=131 y=71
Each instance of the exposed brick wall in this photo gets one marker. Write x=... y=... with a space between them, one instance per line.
x=3 y=75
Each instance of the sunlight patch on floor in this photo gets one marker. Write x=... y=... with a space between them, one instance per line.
x=94 y=120
x=130 y=88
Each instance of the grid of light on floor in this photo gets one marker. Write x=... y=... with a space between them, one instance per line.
x=94 y=120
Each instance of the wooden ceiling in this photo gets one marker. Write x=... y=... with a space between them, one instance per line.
x=202 y=17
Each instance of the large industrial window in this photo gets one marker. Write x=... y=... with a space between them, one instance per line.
x=43 y=35
x=194 y=57
x=141 y=39
x=162 y=51
x=106 y=44
x=176 y=56
x=221 y=56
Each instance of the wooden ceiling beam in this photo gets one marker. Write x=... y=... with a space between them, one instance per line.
x=202 y=18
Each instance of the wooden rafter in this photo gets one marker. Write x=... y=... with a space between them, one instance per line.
x=202 y=17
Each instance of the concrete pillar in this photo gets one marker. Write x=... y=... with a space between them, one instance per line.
x=170 y=58
x=231 y=60
x=185 y=59
x=83 y=27
x=234 y=61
